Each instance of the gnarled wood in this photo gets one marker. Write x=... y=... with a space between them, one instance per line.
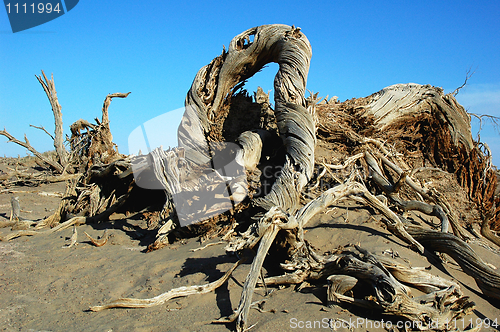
x=487 y=279
x=431 y=311
x=394 y=103
x=205 y=112
x=202 y=130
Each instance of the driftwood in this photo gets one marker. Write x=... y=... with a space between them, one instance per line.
x=73 y=239
x=380 y=147
x=486 y=231
x=439 y=306
x=99 y=242
x=15 y=210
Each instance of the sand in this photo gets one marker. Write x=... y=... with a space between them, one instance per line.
x=46 y=287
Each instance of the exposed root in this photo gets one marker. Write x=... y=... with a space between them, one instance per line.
x=346 y=163
x=486 y=231
x=253 y=275
x=487 y=279
x=394 y=222
x=101 y=241
x=208 y=245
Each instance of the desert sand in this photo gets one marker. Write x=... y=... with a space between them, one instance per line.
x=45 y=286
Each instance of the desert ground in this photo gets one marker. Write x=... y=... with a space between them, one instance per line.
x=46 y=286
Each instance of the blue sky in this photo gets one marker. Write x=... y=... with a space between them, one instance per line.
x=155 y=48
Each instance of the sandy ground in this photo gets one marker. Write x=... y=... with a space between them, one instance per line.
x=45 y=287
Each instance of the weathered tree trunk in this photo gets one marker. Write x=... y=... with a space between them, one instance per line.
x=391 y=112
x=50 y=91
x=207 y=109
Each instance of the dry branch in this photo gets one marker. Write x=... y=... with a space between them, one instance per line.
x=436 y=308
x=431 y=195
x=486 y=231
x=487 y=279
x=105 y=106
x=101 y=241
x=468 y=75
x=251 y=280
x=57 y=166
x=392 y=192
x=162 y=298
x=417 y=277
x=394 y=222
x=44 y=130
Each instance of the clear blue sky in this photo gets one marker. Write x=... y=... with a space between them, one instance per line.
x=155 y=48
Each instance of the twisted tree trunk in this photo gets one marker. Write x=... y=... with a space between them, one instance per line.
x=207 y=101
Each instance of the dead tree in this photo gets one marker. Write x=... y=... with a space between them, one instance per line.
x=398 y=115
x=378 y=148
x=50 y=91
x=59 y=165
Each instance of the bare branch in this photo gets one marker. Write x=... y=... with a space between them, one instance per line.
x=495 y=120
x=27 y=145
x=45 y=130
x=467 y=76
x=162 y=298
x=105 y=132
